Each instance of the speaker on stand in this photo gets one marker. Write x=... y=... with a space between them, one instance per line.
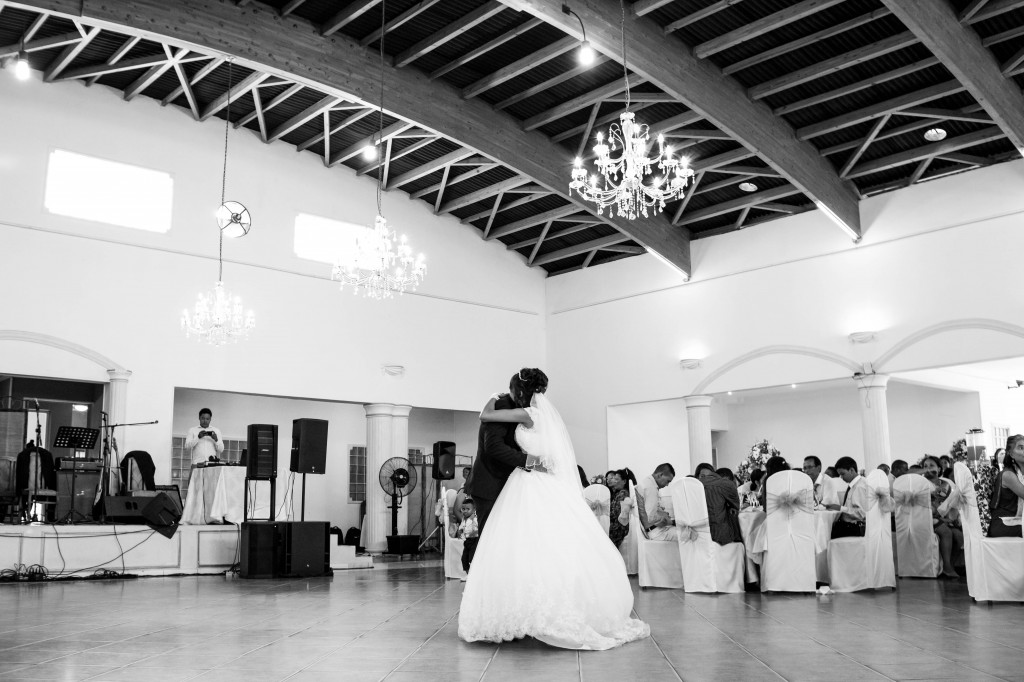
x=309 y=451
x=261 y=462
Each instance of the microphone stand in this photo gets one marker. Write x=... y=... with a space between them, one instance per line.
x=108 y=432
x=39 y=463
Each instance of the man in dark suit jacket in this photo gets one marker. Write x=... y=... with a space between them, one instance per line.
x=497 y=456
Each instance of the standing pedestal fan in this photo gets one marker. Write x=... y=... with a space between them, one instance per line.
x=398 y=479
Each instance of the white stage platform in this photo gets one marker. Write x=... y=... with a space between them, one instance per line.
x=81 y=550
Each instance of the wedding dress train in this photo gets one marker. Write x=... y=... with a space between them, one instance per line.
x=544 y=567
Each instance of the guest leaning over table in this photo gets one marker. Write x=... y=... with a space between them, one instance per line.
x=855 y=501
x=1008 y=493
x=945 y=522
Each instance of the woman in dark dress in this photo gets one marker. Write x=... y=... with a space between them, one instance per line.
x=616 y=483
x=1008 y=491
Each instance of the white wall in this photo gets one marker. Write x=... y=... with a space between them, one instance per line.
x=641 y=437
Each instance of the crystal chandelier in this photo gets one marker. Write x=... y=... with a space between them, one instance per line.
x=218 y=317
x=624 y=186
x=383 y=262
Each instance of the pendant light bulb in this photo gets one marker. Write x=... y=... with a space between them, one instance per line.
x=22 y=70
x=586 y=54
x=370 y=152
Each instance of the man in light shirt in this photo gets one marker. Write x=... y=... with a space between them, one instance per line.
x=204 y=441
x=853 y=510
x=660 y=524
x=825 y=489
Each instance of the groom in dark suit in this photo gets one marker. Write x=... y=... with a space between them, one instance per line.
x=497 y=456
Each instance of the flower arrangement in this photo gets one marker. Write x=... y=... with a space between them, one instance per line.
x=958 y=452
x=756 y=459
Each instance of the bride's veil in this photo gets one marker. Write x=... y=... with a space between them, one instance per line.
x=553 y=443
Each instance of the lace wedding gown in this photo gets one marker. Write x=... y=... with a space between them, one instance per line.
x=544 y=567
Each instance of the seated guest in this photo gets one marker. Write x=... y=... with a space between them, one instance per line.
x=1008 y=493
x=853 y=510
x=831 y=472
x=945 y=522
x=774 y=465
x=750 y=491
x=660 y=524
x=947 y=467
x=618 y=523
x=825 y=492
x=723 y=504
x=915 y=469
x=888 y=473
x=899 y=468
x=726 y=473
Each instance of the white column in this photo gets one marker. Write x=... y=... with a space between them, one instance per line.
x=117 y=411
x=400 y=448
x=698 y=426
x=874 y=416
x=378 y=450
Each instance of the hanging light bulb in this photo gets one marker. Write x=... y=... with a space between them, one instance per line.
x=586 y=55
x=22 y=71
x=369 y=152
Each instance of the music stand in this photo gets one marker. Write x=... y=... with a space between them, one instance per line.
x=75 y=438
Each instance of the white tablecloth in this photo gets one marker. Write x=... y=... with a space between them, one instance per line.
x=753 y=532
x=216 y=495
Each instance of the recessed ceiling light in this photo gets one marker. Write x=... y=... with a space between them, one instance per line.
x=748 y=187
x=935 y=134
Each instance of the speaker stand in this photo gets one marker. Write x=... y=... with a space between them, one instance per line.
x=303 y=517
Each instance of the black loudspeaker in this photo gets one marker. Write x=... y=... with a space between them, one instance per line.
x=162 y=514
x=259 y=550
x=444 y=461
x=125 y=509
x=261 y=462
x=309 y=446
x=84 y=494
x=306 y=549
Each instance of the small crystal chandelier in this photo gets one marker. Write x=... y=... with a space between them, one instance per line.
x=624 y=187
x=383 y=262
x=218 y=317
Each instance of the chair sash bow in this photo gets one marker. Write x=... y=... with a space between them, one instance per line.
x=689 y=532
x=910 y=498
x=885 y=501
x=791 y=501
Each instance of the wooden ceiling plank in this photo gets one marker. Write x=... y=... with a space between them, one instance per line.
x=951 y=144
x=260 y=118
x=642 y=7
x=152 y=74
x=40 y=44
x=104 y=69
x=373 y=165
x=527 y=223
x=485 y=48
x=738 y=225
x=972 y=9
x=1003 y=36
x=209 y=68
x=550 y=83
x=668 y=64
x=960 y=50
x=521 y=201
x=575 y=104
x=969 y=159
x=570 y=251
x=994 y=8
x=403 y=18
x=34 y=27
x=625 y=248
x=779 y=208
x=301 y=118
x=889 y=106
x=833 y=64
x=521 y=66
x=347 y=15
x=810 y=39
x=946 y=114
x=700 y=15
x=1012 y=63
x=469 y=175
x=540 y=241
x=564 y=232
x=190 y=96
x=237 y=90
x=278 y=99
x=485 y=193
x=456 y=28
x=767 y=24
x=494 y=212
x=855 y=157
x=68 y=55
x=590 y=127
x=349 y=120
x=588 y=259
x=291 y=6
x=690 y=191
x=431 y=167
x=440 y=191
x=919 y=171
x=863 y=84
x=739 y=204
x=376 y=138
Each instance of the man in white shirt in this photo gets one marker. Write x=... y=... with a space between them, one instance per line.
x=204 y=441
x=853 y=510
x=660 y=524
x=825 y=489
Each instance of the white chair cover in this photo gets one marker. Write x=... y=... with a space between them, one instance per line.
x=452 y=546
x=657 y=560
x=707 y=566
x=628 y=546
x=788 y=564
x=866 y=563
x=994 y=565
x=600 y=500
x=917 y=547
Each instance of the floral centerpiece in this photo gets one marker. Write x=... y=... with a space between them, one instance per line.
x=756 y=458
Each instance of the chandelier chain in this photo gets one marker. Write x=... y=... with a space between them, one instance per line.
x=622 y=33
x=380 y=113
x=224 y=175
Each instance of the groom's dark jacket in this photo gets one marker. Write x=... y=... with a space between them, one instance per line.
x=497 y=455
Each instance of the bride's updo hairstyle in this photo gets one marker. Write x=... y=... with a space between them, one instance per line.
x=526 y=382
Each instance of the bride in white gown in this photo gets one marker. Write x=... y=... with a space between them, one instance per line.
x=544 y=567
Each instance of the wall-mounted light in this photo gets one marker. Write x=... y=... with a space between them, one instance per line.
x=586 y=54
x=392 y=370
x=863 y=337
x=690 y=363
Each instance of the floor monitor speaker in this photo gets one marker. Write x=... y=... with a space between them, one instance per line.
x=261 y=461
x=309 y=446
x=125 y=509
x=162 y=514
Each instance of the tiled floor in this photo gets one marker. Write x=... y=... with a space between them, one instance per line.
x=400 y=624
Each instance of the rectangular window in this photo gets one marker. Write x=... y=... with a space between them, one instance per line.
x=88 y=188
x=357 y=473
x=325 y=240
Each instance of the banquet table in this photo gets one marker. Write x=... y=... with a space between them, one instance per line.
x=752 y=528
x=216 y=495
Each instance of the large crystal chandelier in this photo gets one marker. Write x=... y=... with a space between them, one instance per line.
x=218 y=317
x=382 y=263
x=624 y=187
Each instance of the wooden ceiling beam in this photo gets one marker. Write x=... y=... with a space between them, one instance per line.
x=527 y=223
x=833 y=64
x=946 y=114
x=403 y=18
x=415 y=146
x=521 y=201
x=482 y=194
x=570 y=251
x=346 y=16
x=301 y=118
x=723 y=159
x=889 y=106
x=739 y=204
x=576 y=103
x=290 y=7
x=468 y=175
x=338 y=65
x=279 y=99
x=485 y=48
x=68 y=54
x=960 y=50
x=210 y=66
x=190 y=96
x=726 y=182
x=918 y=124
x=12 y=50
x=750 y=171
x=104 y=69
x=855 y=157
x=698 y=134
x=625 y=248
x=969 y=159
x=237 y=90
x=456 y=28
x=642 y=7
x=540 y=242
x=564 y=232
x=972 y=9
x=153 y=73
x=685 y=201
x=809 y=39
x=767 y=24
x=994 y=8
x=348 y=120
x=521 y=66
x=700 y=85
x=431 y=167
x=607 y=118
x=550 y=83
x=376 y=138
x=776 y=207
x=951 y=144
x=700 y=15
